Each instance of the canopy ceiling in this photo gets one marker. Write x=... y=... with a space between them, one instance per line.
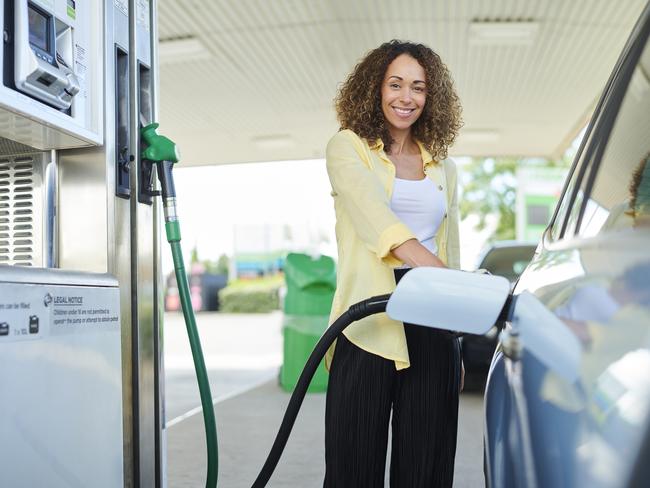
x=254 y=80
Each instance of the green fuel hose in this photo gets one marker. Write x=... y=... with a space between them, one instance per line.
x=163 y=152
x=173 y=232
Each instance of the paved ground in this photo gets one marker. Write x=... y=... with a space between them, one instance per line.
x=240 y=351
x=243 y=353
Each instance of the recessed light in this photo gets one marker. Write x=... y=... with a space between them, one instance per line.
x=479 y=135
x=274 y=141
x=502 y=31
x=175 y=50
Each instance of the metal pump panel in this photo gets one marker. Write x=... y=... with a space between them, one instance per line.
x=61 y=379
x=42 y=42
x=52 y=73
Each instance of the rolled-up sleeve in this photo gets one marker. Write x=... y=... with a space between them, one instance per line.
x=363 y=197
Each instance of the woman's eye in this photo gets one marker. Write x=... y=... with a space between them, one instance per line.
x=394 y=85
x=419 y=89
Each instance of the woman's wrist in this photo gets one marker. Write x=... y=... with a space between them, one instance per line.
x=414 y=254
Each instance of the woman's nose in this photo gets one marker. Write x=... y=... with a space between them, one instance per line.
x=405 y=95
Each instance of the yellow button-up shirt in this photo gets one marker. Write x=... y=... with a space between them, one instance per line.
x=362 y=178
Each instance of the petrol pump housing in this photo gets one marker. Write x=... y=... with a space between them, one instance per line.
x=80 y=274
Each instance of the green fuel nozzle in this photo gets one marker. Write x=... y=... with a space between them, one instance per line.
x=159 y=148
x=162 y=152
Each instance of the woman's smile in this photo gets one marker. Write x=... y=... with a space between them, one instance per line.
x=403 y=112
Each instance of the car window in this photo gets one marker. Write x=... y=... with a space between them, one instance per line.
x=508 y=261
x=565 y=203
x=620 y=196
x=573 y=194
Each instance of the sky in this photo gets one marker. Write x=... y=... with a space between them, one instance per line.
x=257 y=202
x=215 y=202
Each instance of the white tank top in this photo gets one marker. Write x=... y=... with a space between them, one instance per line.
x=421 y=206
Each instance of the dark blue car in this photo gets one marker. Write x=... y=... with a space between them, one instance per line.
x=575 y=411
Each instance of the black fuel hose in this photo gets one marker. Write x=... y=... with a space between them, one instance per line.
x=367 y=307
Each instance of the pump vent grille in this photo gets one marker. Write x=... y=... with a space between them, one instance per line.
x=20 y=222
x=7 y=146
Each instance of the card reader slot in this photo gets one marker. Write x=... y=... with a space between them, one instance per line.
x=123 y=156
x=146 y=174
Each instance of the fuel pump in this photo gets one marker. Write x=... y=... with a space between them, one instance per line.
x=80 y=275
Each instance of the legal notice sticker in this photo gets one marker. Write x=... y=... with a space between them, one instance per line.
x=33 y=311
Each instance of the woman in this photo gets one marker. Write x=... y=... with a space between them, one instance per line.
x=396 y=208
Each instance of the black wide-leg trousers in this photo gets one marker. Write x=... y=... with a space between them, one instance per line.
x=362 y=390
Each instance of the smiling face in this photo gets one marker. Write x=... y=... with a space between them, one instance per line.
x=403 y=93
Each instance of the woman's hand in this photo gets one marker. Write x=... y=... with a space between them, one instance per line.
x=414 y=254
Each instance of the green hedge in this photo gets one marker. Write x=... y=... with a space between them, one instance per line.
x=249 y=299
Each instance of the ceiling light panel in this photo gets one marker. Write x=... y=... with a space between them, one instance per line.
x=181 y=50
x=502 y=32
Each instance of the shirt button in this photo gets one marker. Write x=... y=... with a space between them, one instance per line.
x=440 y=187
x=445 y=216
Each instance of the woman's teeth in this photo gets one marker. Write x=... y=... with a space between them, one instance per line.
x=403 y=111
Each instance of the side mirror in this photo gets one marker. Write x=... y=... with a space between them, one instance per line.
x=449 y=299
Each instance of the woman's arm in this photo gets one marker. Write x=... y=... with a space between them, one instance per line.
x=414 y=254
x=360 y=192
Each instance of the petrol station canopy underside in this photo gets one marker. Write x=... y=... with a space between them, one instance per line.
x=254 y=80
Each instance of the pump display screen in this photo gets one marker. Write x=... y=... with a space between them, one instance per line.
x=38 y=29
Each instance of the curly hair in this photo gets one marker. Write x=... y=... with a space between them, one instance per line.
x=358 y=102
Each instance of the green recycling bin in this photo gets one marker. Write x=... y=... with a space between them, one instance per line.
x=310 y=288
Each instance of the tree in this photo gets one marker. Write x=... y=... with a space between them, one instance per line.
x=490 y=188
x=223 y=264
x=220 y=266
x=194 y=255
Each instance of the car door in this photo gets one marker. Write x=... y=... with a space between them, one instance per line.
x=568 y=396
